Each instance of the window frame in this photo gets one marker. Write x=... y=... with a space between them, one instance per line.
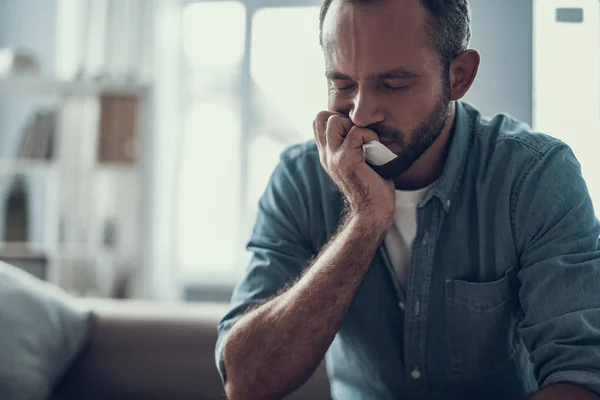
x=203 y=285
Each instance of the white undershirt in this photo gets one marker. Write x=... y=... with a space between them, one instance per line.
x=400 y=237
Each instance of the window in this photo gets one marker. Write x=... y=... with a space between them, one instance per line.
x=244 y=107
x=290 y=88
x=209 y=175
x=567 y=79
x=209 y=187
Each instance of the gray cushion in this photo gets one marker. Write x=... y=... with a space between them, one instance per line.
x=41 y=332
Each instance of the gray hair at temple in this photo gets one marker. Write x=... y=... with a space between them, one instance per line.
x=449 y=28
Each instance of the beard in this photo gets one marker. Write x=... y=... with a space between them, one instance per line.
x=414 y=145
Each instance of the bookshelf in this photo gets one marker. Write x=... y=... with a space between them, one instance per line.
x=84 y=50
x=91 y=205
x=37 y=86
x=27 y=166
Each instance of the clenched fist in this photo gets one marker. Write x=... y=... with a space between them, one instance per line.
x=340 y=148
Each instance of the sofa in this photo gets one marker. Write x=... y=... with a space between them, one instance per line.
x=142 y=350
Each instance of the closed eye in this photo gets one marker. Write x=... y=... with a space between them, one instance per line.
x=395 y=88
x=341 y=86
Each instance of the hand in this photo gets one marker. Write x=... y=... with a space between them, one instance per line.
x=340 y=149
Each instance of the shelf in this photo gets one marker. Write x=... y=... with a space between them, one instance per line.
x=36 y=251
x=33 y=166
x=22 y=251
x=117 y=168
x=26 y=166
x=37 y=85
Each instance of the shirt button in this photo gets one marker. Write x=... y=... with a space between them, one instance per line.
x=425 y=239
x=448 y=204
x=416 y=374
x=401 y=305
x=417 y=308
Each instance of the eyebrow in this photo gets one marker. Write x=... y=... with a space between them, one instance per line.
x=396 y=73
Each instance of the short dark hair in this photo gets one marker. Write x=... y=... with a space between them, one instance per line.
x=450 y=27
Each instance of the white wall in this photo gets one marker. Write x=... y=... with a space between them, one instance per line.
x=502 y=32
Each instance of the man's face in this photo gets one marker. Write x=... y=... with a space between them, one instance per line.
x=384 y=72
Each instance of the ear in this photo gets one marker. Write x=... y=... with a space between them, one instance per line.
x=463 y=71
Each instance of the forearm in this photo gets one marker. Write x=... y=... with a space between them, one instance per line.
x=275 y=348
x=565 y=391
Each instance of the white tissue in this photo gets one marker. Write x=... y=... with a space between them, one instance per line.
x=377 y=154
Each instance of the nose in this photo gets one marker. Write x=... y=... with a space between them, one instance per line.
x=366 y=109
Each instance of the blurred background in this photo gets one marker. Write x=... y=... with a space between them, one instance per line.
x=136 y=136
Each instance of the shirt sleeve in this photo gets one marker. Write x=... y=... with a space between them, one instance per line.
x=278 y=245
x=558 y=239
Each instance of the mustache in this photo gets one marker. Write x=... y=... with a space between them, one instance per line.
x=386 y=132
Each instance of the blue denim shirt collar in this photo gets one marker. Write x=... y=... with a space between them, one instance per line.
x=446 y=188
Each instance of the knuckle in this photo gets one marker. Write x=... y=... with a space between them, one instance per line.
x=334 y=119
x=320 y=122
x=323 y=116
x=355 y=134
x=322 y=119
x=371 y=135
x=347 y=123
x=337 y=123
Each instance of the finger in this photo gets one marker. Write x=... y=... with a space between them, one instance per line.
x=338 y=127
x=358 y=136
x=319 y=126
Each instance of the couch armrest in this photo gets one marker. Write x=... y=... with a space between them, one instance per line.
x=148 y=350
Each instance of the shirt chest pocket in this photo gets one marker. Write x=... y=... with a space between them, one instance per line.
x=481 y=323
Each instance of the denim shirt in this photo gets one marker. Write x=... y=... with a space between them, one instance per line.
x=503 y=292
